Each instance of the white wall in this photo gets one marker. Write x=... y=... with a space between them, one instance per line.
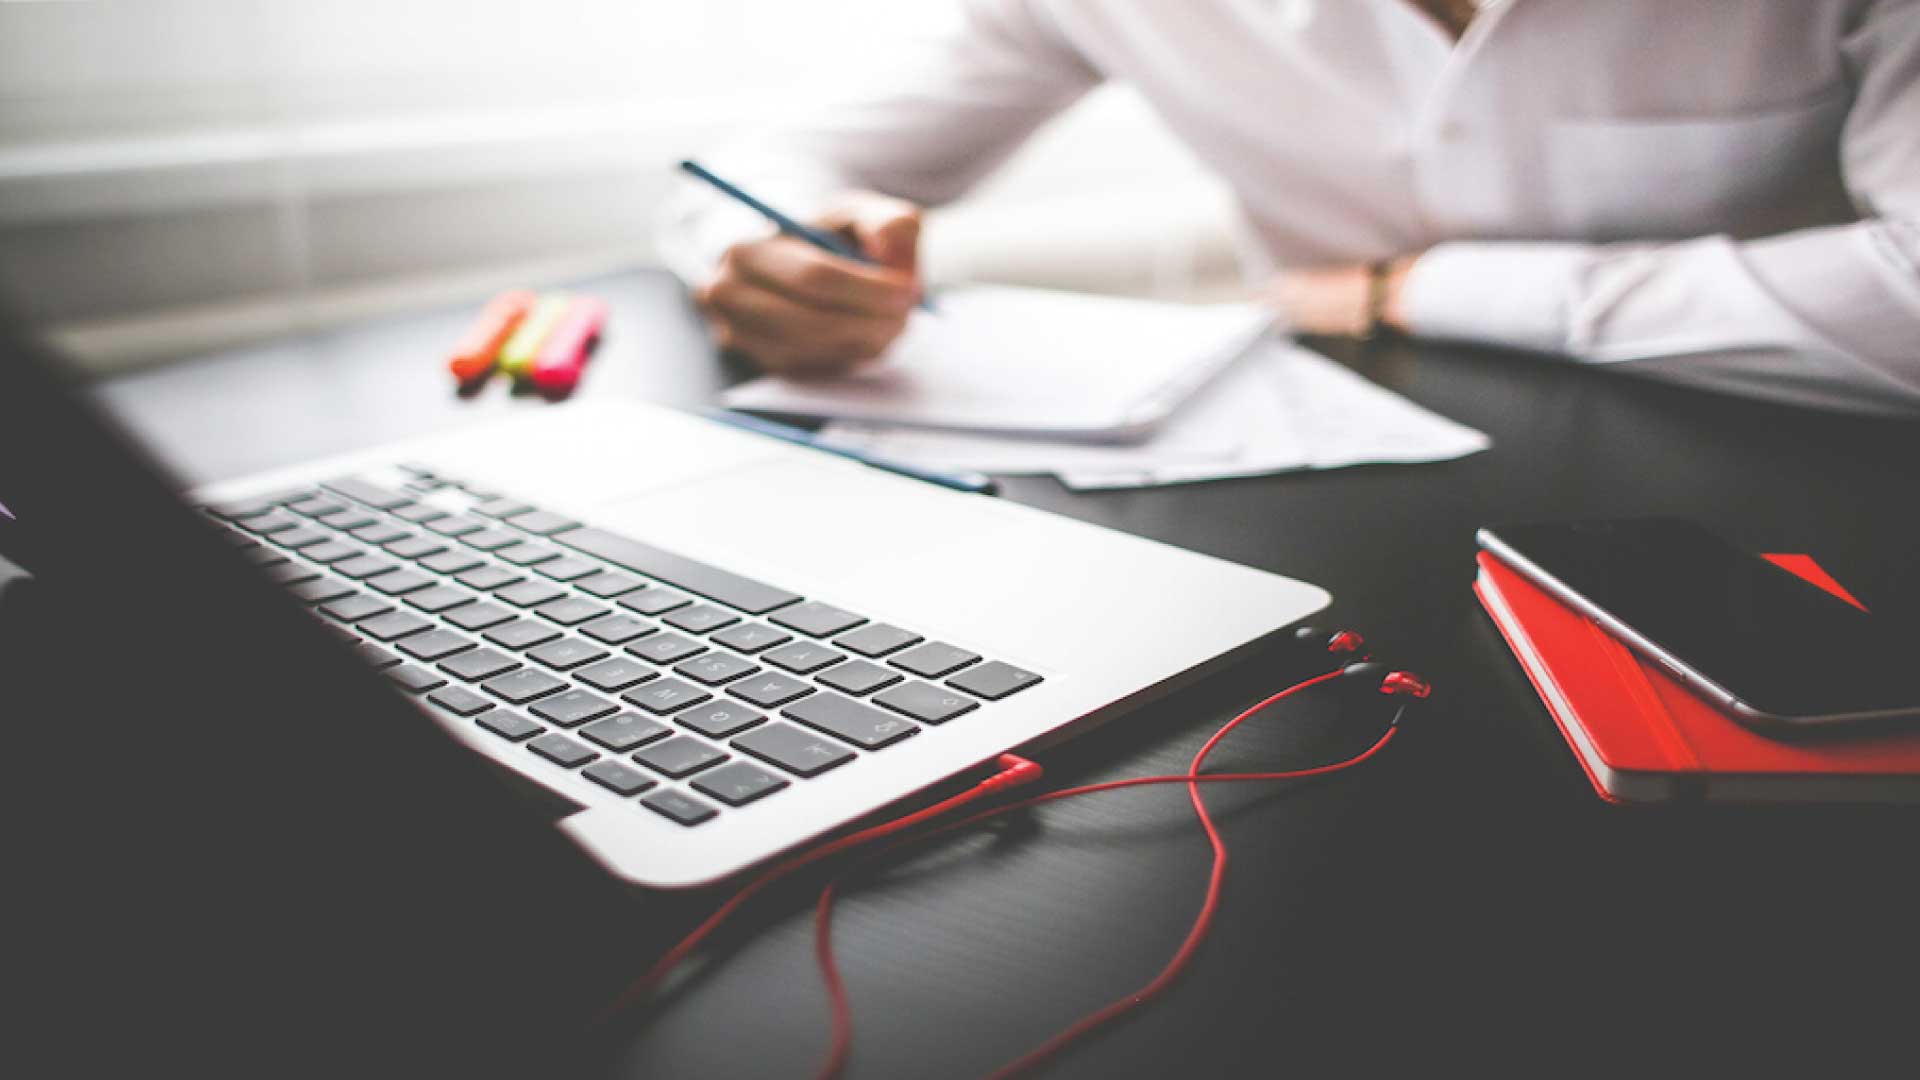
x=176 y=174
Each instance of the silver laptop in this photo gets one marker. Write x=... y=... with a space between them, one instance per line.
x=717 y=645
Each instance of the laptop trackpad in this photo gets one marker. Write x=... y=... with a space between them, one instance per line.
x=802 y=524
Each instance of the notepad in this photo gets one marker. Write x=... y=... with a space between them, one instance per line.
x=1034 y=362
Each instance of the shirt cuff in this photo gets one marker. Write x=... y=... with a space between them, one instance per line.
x=1512 y=294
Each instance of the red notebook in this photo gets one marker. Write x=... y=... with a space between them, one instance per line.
x=1642 y=737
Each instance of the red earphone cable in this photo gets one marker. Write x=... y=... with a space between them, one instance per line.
x=842 y=1026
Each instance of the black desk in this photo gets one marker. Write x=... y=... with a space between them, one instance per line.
x=1466 y=900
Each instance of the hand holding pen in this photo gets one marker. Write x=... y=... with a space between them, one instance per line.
x=816 y=298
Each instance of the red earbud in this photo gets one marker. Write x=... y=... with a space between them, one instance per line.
x=1339 y=641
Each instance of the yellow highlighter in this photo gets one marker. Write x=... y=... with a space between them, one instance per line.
x=517 y=355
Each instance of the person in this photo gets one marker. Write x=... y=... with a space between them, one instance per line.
x=1720 y=192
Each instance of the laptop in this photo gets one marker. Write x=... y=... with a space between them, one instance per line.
x=712 y=646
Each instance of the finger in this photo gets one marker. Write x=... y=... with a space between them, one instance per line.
x=769 y=314
x=804 y=273
x=887 y=229
x=781 y=356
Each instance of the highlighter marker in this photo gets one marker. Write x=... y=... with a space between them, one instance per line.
x=564 y=356
x=516 y=356
x=473 y=358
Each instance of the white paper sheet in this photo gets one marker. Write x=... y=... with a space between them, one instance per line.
x=1029 y=361
x=1279 y=408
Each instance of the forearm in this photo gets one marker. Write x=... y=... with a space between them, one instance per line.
x=1826 y=315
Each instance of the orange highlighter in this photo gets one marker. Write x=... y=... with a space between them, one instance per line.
x=473 y=358
x=564 y=354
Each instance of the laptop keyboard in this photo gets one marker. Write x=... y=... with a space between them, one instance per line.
x=687 y=688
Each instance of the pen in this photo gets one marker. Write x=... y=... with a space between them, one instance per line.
x=974 y=482
x=819 y=238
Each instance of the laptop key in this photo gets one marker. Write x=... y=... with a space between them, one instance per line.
x=926 y=703
x=418 y=513
x=347 y=520
x=934 y=659
x=460 y=701
x=877 y=639
x=561 y=750
x=439 y=598
x=680 y=756
x=799 y=752
x=700 y=618
x=993 y=680
x=859 y=678
x=355 y=608
x=271 y=522
x=525 y=554
x=393 y=626
x=415 y=547
x=487 y=578
x=322 y=590
x=615 y=675
x=520 y=687
x=479 y=616
x=361 y=567
x=738 y=783
x=521 y=634
x=619 y=778
x=769 y=689
x=861 y=725
x=624 y=732
x=817 y=619
x=567 y=653
x=752 y=637
x=566 y=568
x=540 y=522
x=715 y=668
x=510 y=725
x=529 y=593
x=501 y=508
x=617 y=629
x=666 y=648
x=744 y=594
x=295 y=539
x=451 y=562
x=456 y=525
x=683 y=809
x=415 y=678
x=719 y=719
x=291 y=573
x=654 y=601
x=666 y=695
x=380 y=532
x=366 y=491
x=573 y=708
x=606 y=584
x=490 y=539
x=803 y=657
x=239 y=509
x=479 y=664
x=435 y=644
x=314 y=506
x=399 y=582
x=332 y=551
x=373 y=654
x=569 y=610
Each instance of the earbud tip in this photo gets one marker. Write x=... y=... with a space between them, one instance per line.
x=1309 y=634
x=1365 y=671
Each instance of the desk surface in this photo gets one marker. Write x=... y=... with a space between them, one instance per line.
x=1467 y=899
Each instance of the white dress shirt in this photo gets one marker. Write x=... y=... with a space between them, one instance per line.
x=1720 y=191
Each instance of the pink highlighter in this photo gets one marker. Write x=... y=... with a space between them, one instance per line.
x=564 y=354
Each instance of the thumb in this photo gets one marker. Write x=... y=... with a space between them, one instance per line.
x=886 y=229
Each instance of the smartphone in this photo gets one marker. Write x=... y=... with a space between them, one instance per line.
x=1773 y=650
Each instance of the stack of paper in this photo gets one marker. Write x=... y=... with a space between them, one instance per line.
x=1109 y=393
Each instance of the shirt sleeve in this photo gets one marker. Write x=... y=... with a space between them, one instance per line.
x=1827 y=316
x=926 y=130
